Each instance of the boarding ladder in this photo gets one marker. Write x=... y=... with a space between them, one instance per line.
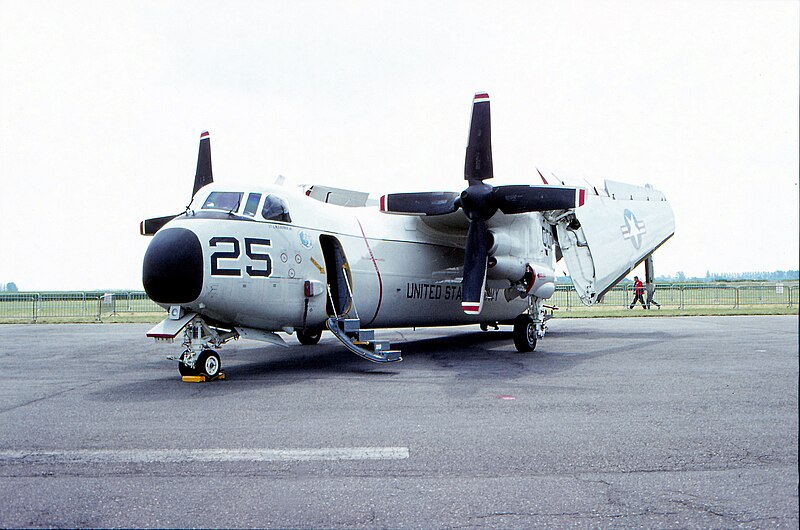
x=359 y=341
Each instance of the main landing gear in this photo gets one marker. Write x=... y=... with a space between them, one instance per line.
x=309 y=337
x=524 y=334
x=530 y=326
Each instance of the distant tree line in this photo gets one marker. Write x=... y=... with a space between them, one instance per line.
x=9 y=287
x=767 y=276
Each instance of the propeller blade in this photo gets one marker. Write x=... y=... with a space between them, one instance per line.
x=475 y=258
x=523 y=198
x=478 y=162
x=542 y=176
x=149 y=227
x=423 y=203
x=203 y=175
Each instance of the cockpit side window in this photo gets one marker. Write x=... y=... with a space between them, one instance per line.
x=275 y=209
x=251 y=206
x=223 y=200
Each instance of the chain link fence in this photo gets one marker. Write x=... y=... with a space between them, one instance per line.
x=682 y=296
x=31 y=307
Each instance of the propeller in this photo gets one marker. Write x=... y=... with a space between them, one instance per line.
x=480 y=201
x=202 y=176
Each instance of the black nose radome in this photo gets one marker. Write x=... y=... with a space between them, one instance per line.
x=172 y=272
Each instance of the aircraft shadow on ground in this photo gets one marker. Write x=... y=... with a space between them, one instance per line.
x=473 y=355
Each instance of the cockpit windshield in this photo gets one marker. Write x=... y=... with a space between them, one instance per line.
x=223 y=200
x=275 y=209
x=251 y=206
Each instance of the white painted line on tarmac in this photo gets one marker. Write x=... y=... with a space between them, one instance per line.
x=170 y=456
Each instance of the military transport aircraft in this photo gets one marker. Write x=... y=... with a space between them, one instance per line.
x=253 y=261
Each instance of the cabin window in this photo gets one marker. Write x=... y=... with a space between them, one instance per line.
x=223 y=200
x=275 y=209
x=251 y=206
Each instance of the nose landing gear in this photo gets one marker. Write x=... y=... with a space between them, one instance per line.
x=207 y=365
x=199 y=360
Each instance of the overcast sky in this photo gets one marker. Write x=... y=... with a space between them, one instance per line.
x=102 y=104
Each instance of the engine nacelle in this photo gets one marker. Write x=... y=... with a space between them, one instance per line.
x=505 y=268
x=536 y=279
x=544 y=281
x=502 y=264
x=501 y=244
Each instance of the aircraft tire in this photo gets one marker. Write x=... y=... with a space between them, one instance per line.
x=524 y=334
x=208 y=364
x=309 y=337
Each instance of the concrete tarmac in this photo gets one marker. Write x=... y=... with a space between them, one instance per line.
x=646 y=422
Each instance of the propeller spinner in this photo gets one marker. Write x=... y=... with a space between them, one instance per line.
x=480 y=201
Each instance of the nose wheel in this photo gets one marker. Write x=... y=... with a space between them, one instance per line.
x=208 y=364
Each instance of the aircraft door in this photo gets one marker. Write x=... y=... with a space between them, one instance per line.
x=338 y=276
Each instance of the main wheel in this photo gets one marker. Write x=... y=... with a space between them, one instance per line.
x=208 y=364
x=309 y=337
x=524 y=334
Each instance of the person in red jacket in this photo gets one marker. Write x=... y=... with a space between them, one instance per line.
x=638 y=292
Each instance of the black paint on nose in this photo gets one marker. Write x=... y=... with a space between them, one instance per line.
x=172 y=272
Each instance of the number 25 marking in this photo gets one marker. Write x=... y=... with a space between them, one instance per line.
x=249 y=242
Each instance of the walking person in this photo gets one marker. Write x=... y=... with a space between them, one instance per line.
x=651 y=291
x=638 y=292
